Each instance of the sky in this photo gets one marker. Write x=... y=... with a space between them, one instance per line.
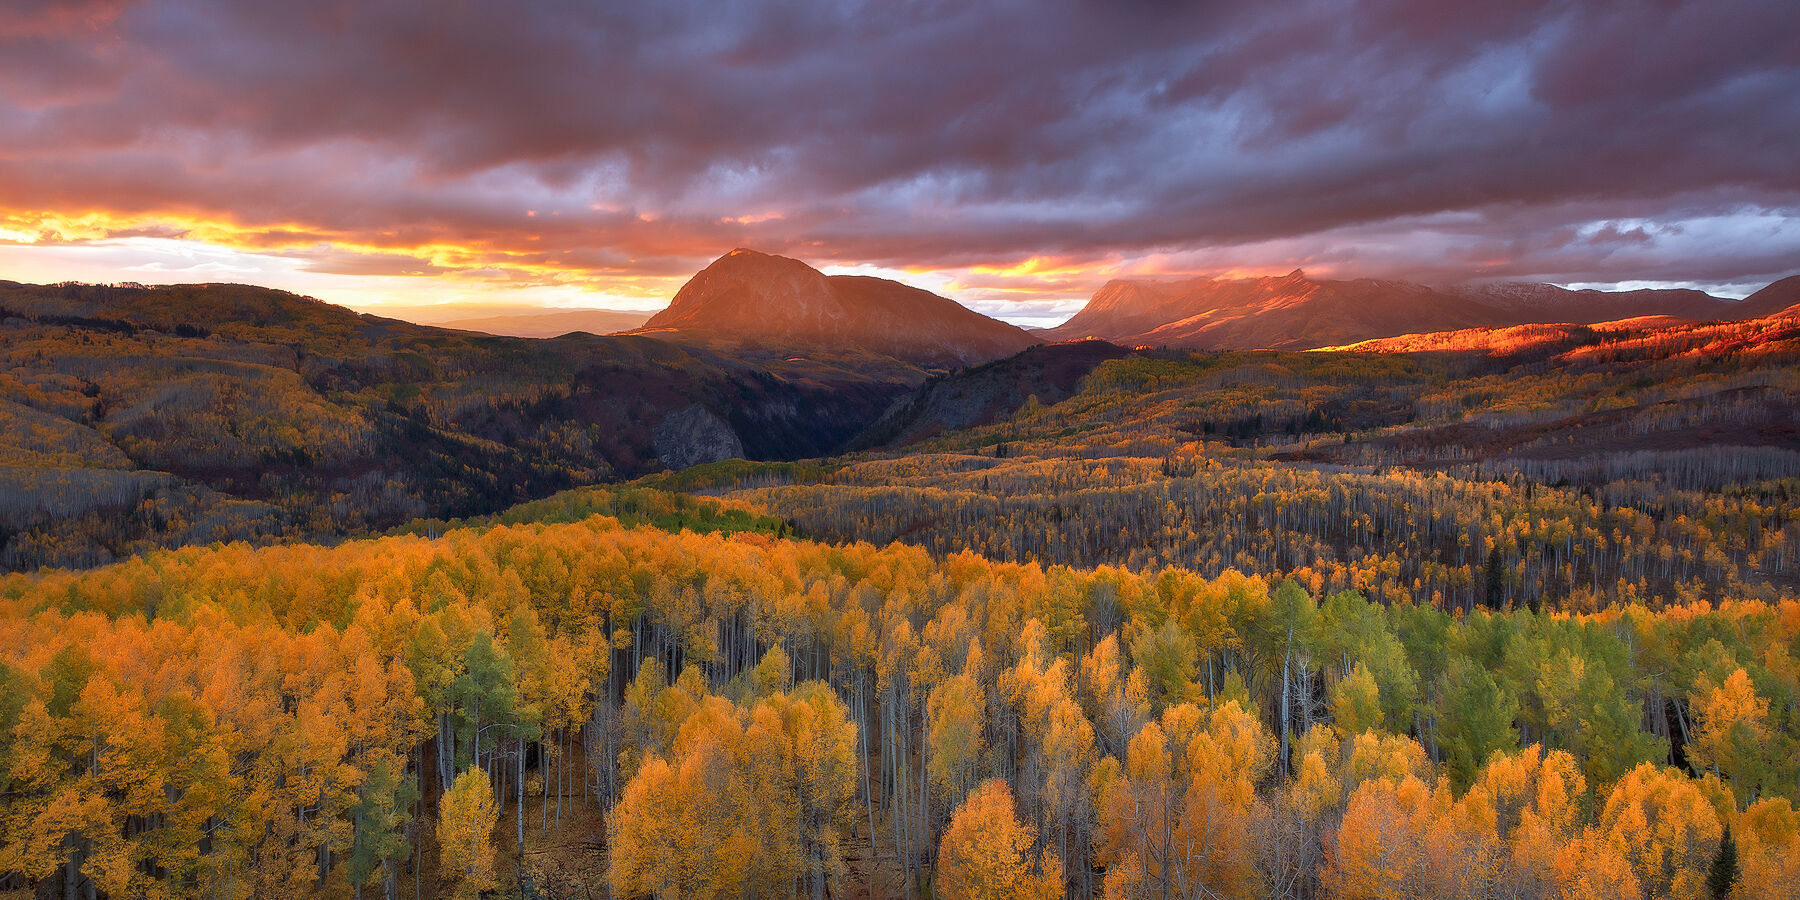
x=428 y=157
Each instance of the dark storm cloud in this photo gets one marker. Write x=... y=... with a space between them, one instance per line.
x=1566 y=140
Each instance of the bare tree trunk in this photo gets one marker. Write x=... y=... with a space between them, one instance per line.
x=862 y=739
x=1285 y=660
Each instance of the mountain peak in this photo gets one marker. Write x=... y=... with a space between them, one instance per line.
x=746 y=254
x=747 y=296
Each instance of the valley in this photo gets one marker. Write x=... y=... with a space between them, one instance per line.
x=763 y=604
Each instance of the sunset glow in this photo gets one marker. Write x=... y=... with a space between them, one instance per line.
x=1010 y=450
x=598 y=156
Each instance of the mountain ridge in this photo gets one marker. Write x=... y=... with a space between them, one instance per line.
x=1298 y=312
x=1777 y=298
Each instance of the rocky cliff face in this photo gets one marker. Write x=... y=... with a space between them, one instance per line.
x=751 y=298
x=693 y=435
x=987 y=394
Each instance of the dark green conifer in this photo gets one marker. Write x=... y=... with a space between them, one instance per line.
x=1724 y=873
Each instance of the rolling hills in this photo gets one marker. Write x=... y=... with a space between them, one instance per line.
x=1781 y=297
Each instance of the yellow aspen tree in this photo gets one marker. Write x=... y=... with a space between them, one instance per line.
x=1224 y=764
x=467 y=814
x=986 y=854
x=713 y=849
x=1768 y=836
x=957 y=716
x=1733 y=733
x=1534 y=798
x=1137 y=816
x=1664 y=827
x=1389 y=757
x=1591 y=867
x=641 y=852
x=1356 y=702
x=1378 y=853
x=824 y=747
x=1317 y=786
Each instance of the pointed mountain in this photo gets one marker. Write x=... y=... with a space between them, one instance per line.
x=1780 y=297
x=747 y=297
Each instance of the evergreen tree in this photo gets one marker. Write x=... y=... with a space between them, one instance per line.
x=1723 y=875
x=1495 y=580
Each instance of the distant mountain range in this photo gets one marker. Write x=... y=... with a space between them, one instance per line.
x=1298 y=312
x=761 y=306
x=747 y=299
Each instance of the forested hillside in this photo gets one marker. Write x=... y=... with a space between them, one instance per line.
x=132 y=418
x=699 y=715
x=1560 y=467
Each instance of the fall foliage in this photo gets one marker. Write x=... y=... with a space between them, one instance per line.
x=301 y=719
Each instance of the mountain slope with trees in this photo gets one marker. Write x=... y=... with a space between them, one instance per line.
x=142 y=416
x=1567 y=467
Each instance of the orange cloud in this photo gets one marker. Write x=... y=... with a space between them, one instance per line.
x=483 y=267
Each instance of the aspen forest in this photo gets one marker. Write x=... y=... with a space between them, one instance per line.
x=566 y=704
